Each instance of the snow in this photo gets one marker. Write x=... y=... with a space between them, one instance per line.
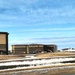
x=37 y=62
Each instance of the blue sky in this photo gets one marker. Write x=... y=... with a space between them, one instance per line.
x=39 y=21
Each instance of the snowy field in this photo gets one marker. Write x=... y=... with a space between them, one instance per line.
x=15 y=64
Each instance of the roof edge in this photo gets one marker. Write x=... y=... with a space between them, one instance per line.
x=4 y=33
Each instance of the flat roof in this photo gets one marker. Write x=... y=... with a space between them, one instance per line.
x=4 y=33
x=33 y=44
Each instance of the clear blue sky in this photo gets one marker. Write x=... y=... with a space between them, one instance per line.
x=39 y=21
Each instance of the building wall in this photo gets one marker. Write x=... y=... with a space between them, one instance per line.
x=32 y=48
x=50 y=48
x=2 y=38
x=35 y=48
x=3 y=42
x=19 y=49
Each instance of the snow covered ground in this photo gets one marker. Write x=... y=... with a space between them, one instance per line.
x=31 y=63
x=37 y=62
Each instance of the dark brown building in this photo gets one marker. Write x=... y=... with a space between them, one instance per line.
x=32 y=48
x=50 y=48
x=3 y=43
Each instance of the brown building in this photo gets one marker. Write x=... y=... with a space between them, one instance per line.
x=19 y=49
x=50 y=48
x=32 y=48
x=3 y=43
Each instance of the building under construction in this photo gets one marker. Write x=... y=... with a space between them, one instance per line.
x=32 y=48
x=3 y=43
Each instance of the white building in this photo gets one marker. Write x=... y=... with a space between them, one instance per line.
x=68 y=50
